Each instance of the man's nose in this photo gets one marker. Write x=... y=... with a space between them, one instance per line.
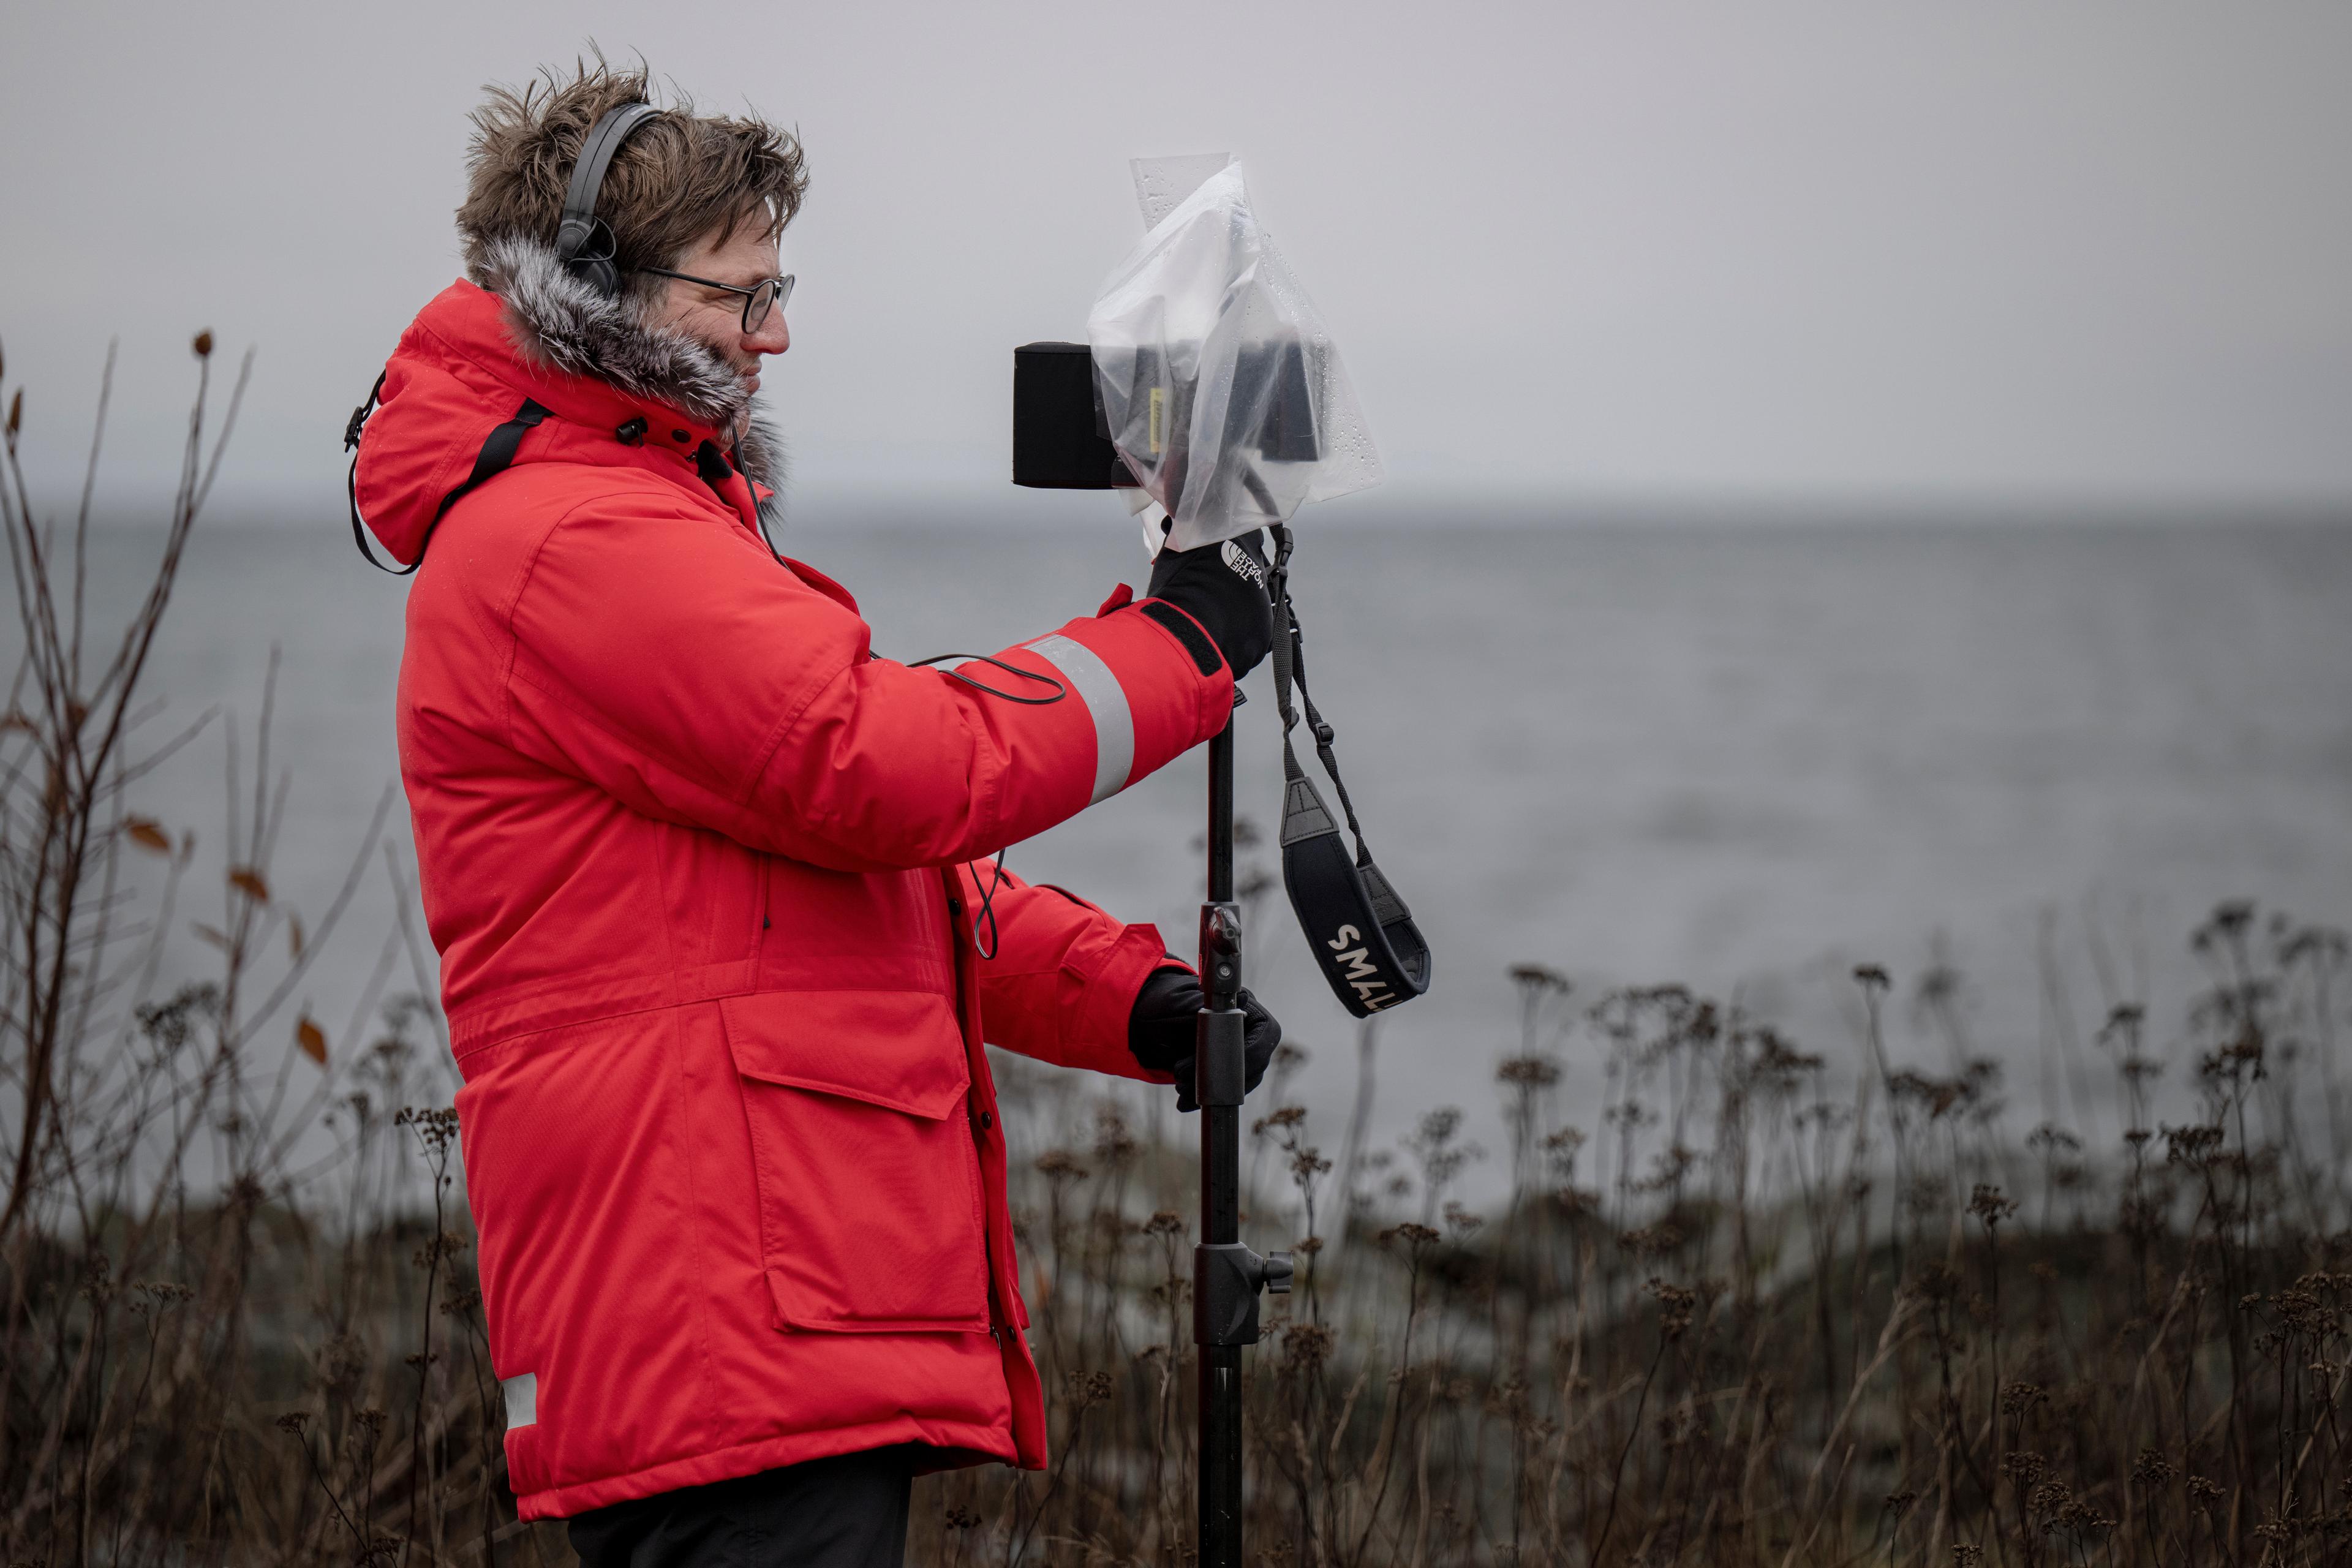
x=773 y=336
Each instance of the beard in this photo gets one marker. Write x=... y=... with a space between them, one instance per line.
x=745 y=366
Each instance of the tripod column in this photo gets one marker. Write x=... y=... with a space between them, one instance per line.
x=1221 y=1081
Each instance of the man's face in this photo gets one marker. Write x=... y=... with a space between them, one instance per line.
x=713 y=317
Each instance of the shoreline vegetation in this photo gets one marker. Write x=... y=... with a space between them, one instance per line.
x=1752 y=1306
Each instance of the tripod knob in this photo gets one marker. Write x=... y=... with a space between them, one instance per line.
x=1277 y=1273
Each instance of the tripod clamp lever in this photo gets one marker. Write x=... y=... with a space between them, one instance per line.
x=1226 y=1280
x=1227 y=1276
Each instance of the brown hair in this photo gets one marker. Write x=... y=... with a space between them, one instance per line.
x=678 y=179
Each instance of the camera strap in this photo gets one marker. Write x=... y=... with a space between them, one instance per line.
x=1360 y=932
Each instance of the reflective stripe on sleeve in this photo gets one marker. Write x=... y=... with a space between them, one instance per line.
x=1100 y=690
x=522 y=1399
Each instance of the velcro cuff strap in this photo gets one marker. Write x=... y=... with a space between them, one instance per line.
x=1185 y=630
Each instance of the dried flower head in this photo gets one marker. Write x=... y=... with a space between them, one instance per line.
x=1677 y=1306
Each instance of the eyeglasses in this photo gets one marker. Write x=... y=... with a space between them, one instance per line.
x=768 y=294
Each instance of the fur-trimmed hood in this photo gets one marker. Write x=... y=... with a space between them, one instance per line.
x=560 y=323
x=610 y=392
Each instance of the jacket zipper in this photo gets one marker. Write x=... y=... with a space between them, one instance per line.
x=767 y=914
x=979 y=1123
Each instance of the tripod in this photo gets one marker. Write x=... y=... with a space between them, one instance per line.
x=1226 y=1276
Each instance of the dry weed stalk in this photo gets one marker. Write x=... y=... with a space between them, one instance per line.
x=228 y=1332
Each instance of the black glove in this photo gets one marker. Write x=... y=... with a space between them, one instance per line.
x=1162 y=1029
x=1223 y=586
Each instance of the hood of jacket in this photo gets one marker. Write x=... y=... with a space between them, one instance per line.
x=474 y=355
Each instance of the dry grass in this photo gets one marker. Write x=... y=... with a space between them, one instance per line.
x=1746 y=1309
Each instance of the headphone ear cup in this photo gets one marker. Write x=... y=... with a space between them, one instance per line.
x=586 y=248
x=599 y=273
x=571 y=238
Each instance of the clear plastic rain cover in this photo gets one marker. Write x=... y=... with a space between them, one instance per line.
x=1220 y=385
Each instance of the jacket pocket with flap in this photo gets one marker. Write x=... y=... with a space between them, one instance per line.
x=869 y=1186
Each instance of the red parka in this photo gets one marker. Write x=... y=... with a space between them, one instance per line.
x=698 y=867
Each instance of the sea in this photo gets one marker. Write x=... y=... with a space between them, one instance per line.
x=1741 y=754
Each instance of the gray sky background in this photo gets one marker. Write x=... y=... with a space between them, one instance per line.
x=1801 y=253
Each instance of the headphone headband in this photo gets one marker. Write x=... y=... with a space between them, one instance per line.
x=578 y=226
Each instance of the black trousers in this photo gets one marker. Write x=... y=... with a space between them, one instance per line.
x=848 y=1512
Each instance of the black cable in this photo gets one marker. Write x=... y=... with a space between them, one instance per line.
x=1060 y=690
x=986 y=913
x=987 y=910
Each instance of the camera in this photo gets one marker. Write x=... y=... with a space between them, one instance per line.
x=1063 y=428
x=1061 y=440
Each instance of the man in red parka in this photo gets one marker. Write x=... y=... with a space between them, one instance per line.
x=704 y=874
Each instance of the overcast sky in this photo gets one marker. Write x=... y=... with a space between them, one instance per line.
x=1799 y=252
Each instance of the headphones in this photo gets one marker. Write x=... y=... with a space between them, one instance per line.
x=585 y=242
